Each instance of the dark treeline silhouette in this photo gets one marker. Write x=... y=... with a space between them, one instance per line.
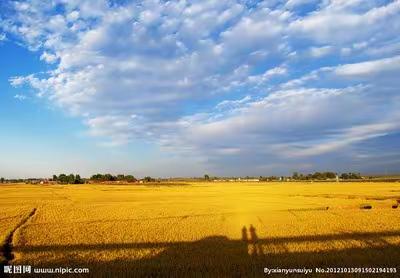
x=271 y=178
x=3 y=180
x=149 y=179
x=109 y=177
x=350 y=176
x=68 y=179
x=314 y=176
x=326 y=176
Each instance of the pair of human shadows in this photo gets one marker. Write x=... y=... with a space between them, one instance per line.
x=253 y=235
x=254 y=247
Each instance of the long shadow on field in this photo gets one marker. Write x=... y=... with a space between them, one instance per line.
x=219 y=256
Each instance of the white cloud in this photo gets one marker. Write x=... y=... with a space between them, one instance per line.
x=342 y=139
x=267 y=75
x=48 y=57
x=267 y=120
x=295 y=3
x=233 y=103
x=17 y=80
x=373 y=71
x=369 y=68
x=73 y=16
x=318 y=52
x=328 y=24
x=122 y=60
x=20 y=97
x=118 y=128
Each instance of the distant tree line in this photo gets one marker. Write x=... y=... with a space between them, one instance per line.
x=109 y=177
x=314 y=176
x=76 y=179
x=270 y=178
x=68 y=179
x=149 y=179
x=325 y=176
x=4 y=180
x=350 y=176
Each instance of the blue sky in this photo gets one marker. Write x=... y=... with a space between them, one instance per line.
x=183 y=88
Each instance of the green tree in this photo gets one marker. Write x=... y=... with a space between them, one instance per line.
x=206 y=177
x=355 y=176
x=78 y=179
x=317 y=176
x=350 y=176
x=71 y=179
x=344 y=176
x=330 y=175
x=62 y=178
x=97 y=177
x=109 y=177
x=148 y=179
x=130 y=178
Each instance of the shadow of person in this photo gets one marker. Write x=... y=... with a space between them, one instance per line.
x=254 y=248
x=253 y=234
x=244 y=234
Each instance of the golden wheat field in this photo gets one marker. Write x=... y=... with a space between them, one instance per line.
x=201 y=229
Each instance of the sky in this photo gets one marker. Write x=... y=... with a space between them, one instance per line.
x=184 y=88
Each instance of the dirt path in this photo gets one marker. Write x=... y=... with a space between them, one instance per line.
x=7 y=247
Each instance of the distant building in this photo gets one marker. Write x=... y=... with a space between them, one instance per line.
x=252 y=180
